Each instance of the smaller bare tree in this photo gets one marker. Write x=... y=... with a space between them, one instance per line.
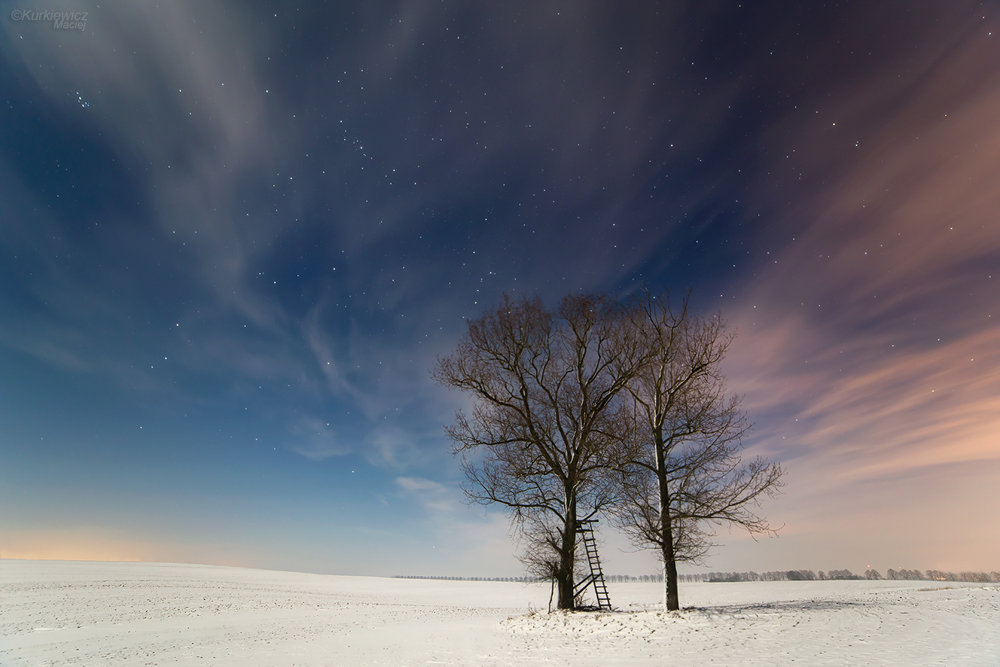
x=681 y=472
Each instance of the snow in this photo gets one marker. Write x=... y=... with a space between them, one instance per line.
x=96 y=614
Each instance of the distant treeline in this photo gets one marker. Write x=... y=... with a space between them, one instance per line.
x=779 y=575
x=809 y=575
x=615 y=578
x=526 y=580
x=645 y=578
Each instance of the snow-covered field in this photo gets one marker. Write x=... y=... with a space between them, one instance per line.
x=95 y=614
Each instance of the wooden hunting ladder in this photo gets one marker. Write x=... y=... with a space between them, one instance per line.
x=585 y=529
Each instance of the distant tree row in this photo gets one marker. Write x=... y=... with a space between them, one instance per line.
x=982 y=577
x=782 y=575
x=847 y=574
x=903 y=574
x=835 y=575
x=779 y=575
x=525 y=580
x=627 y=579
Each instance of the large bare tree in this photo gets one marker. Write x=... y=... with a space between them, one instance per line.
x=681 y=472
x=546 y=389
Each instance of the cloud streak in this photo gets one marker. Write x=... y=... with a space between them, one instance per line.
x=315 y=439
x=867 y=343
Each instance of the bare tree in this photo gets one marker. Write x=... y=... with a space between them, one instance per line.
x=681 y=472
x=546 y=388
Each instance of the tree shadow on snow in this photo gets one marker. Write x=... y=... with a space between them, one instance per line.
x=776 y=607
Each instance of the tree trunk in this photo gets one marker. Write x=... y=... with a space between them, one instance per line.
x=671 y=598
x=567 y=555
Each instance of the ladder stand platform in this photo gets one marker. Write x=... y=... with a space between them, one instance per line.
x=585 y=529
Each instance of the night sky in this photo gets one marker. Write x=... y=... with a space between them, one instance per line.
x=234 y=238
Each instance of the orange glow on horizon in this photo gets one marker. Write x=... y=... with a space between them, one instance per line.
x=100 y=544
x=76 y=544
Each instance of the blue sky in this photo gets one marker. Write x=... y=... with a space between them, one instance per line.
x=235 y=238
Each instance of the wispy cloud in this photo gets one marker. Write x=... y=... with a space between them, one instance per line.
x=315 y=439
x=432 y=496
x=867 y=348
x=470 y=544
